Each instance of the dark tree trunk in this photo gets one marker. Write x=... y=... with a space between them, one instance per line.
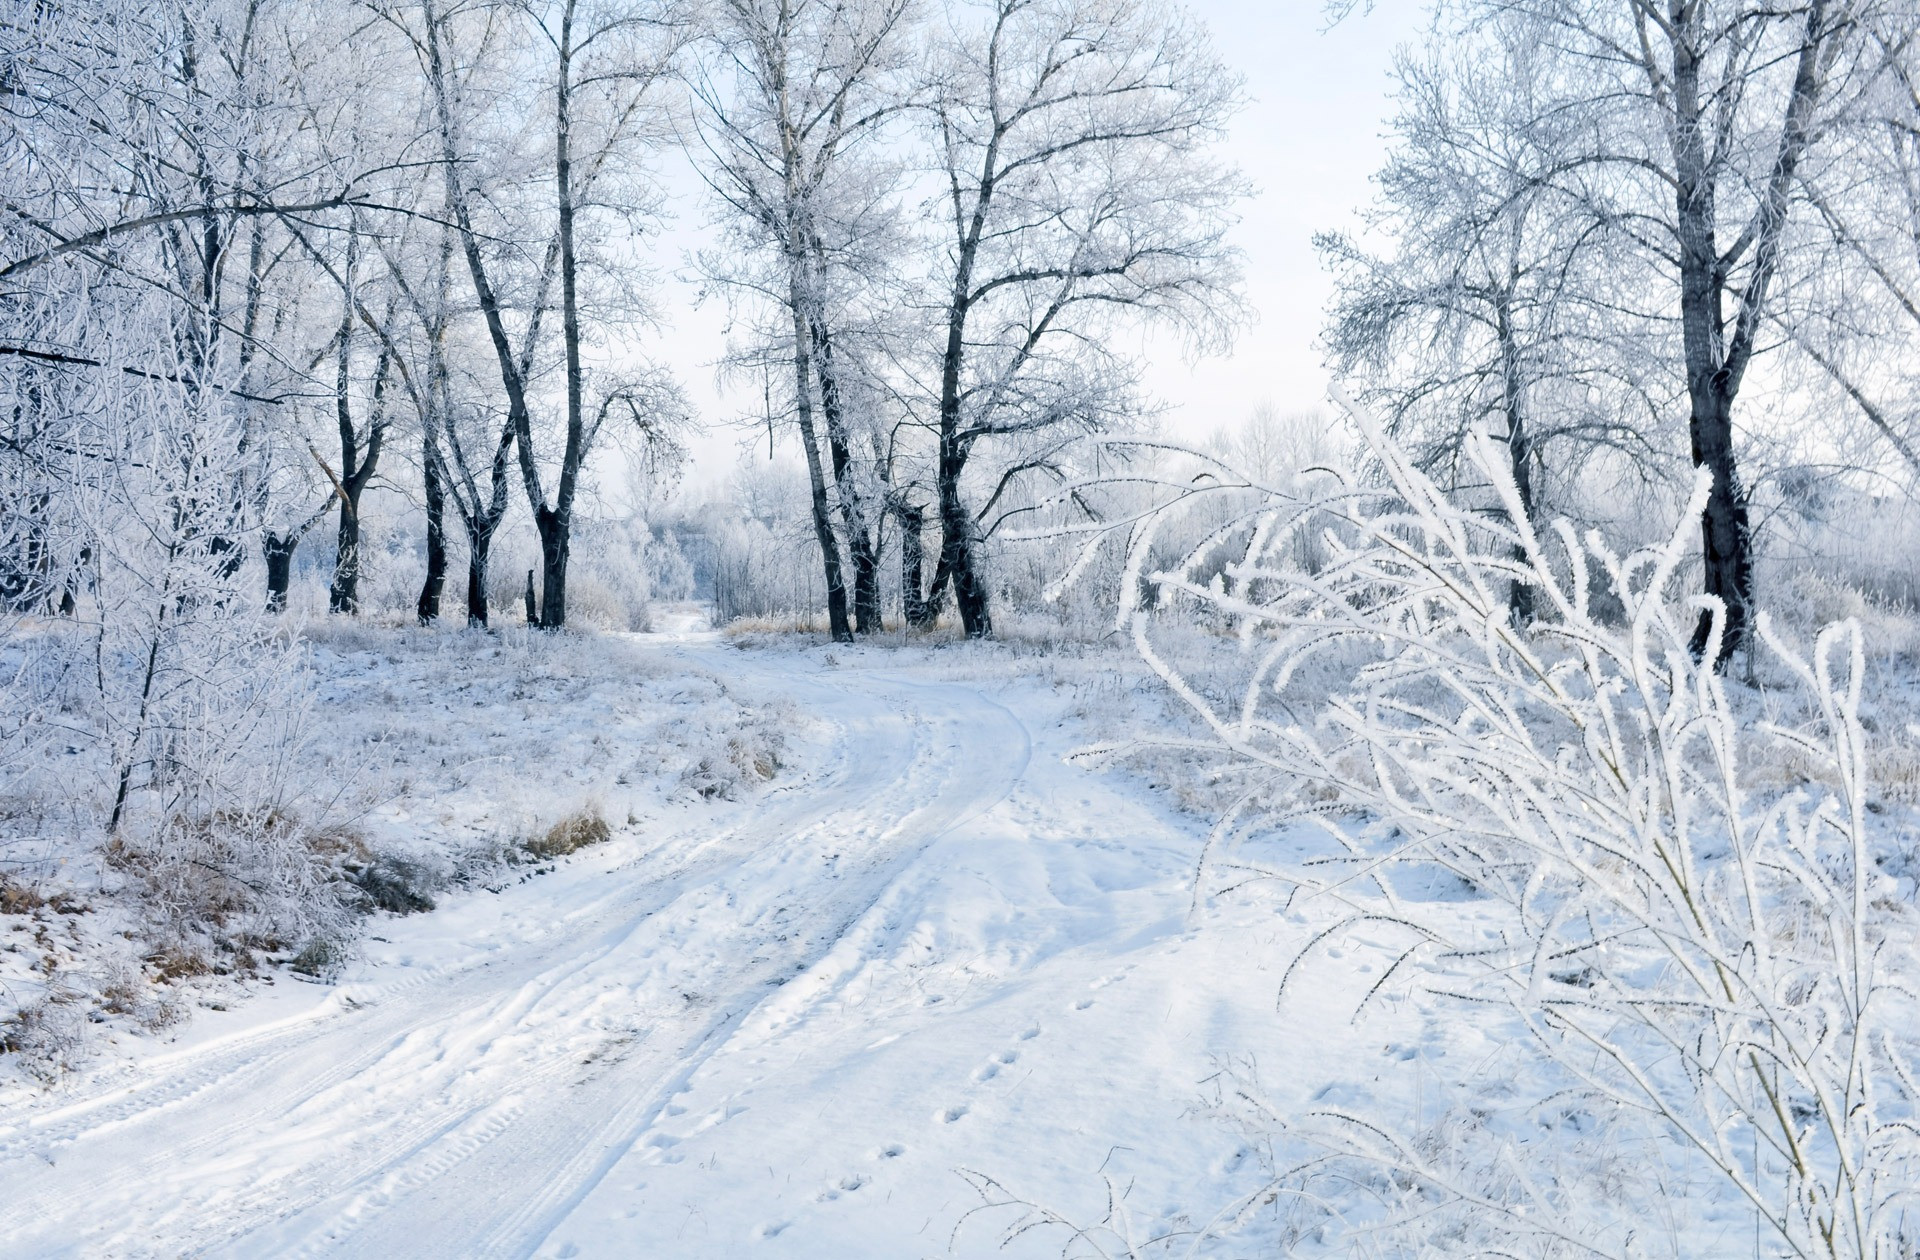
x=533 y=611
x=343 y=594
x=428 y=608
x=357 y=461
x=1519 y=449
x=853 y=499
x=555 y=544
x=1726 y=536
x=277 y=550
x=959 y=546
x=1716 y=359
x=23 y=584
x=866 y=587
x=479 y=543
x=837 y=623
x=1520 y=597
x=913 y=605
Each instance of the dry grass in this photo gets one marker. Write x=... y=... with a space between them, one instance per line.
x=18 y=898
x=576 y=831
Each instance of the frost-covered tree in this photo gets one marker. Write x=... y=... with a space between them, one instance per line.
x=797 y=96
x=1486 y=313
x=1685 y=132
x=1075 y=188
x=524 y=201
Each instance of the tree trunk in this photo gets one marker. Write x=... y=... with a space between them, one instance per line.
x=1726 y=537
x=1723 y=528
x=554 y=547
x=959 y=546
x=277 y=550
x=853 y=506
x=1716 y=362
x=428 y=608
x=913 y=605
x=837 y=623
x=357 y=462
x=533 y=611
x=479 y=544
x=556 y=523
x=343 y=594
x=1520 y=597
x=1519 y=448
x=958 y=561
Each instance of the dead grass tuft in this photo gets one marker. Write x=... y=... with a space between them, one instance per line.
x=574 y=832
x=175 y=963
x=18 y=898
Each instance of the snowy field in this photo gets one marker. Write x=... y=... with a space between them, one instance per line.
x=807 y=1022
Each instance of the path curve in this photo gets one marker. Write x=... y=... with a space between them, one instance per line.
x=464 y=1110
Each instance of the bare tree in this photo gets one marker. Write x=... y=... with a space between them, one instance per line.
x=799 y=89
x=1071 y=143
x=602 y=64
x=1861 y=323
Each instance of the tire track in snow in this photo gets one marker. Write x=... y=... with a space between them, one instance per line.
x=266 y=1058
x=459 y=1082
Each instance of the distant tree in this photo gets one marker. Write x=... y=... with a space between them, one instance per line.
x=601 y=67
x=796 y=95
x=1072 y=147
x=1860 y=324
x=1485 y=316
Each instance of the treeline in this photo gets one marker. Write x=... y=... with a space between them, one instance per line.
x=296 y=250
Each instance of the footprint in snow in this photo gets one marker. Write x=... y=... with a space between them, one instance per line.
x=1031 y=1033
x=950 y=1114
x=772 y=1230
x=986 y=1072
x=1083 y=1004
x=892 y=1150
x=1008 y=1057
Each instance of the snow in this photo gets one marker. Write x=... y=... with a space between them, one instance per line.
x=795 y=1024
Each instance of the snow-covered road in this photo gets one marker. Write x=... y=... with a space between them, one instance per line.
x=781 y=1033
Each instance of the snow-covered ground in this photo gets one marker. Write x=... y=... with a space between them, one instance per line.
x=809 y=1022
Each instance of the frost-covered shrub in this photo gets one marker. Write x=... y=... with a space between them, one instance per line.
x=235 y=881
x=399 y=883
x=49 y=1035
x=741 y=757
x=175 y=707
x=609 y=581
x=1725 y=966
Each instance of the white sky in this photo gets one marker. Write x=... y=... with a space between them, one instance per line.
x=1310 y=137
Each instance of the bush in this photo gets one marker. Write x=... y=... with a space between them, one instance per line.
x=397 y=884
x=49 y=1036
x=238 y=880
x=1724 y=964
x=746 y=760
x=17 y=898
